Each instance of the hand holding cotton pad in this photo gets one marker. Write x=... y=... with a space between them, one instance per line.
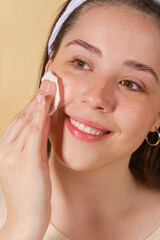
x=49 y=76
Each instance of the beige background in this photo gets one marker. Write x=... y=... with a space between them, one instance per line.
x=24 y=27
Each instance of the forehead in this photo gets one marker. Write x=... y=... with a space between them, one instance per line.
x=118 y=29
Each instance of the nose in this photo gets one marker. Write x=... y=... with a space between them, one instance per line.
x=99 y=98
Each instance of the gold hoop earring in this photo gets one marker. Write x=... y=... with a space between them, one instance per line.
x=158 y=141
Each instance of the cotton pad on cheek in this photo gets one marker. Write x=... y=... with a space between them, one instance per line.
x=49 y=76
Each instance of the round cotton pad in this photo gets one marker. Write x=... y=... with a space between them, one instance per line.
x=49 y=76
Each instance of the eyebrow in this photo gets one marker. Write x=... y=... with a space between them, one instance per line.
x=87 y=46
x=141 y=67
x=130 y=63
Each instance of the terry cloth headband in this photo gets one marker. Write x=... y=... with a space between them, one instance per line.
x=70 y=8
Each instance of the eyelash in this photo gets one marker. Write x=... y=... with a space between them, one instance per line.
x=75 y=60
x=138 y=87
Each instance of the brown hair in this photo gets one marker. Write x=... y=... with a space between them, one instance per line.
x=145 y=161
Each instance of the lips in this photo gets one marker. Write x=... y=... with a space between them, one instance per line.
x=86 y=130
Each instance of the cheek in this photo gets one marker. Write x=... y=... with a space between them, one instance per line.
x=72 y=86
x=134 y=118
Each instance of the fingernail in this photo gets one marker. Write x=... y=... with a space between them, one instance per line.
x=45 y=86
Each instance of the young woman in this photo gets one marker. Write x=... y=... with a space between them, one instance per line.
x=100 y=179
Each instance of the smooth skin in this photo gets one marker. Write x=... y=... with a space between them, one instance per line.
x=94 y=195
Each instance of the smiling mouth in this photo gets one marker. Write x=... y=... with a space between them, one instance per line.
x=86 y=129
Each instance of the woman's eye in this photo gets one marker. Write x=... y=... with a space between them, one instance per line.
x=131 y=85
x=80 y=64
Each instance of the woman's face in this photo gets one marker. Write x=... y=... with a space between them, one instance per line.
x=108 y=65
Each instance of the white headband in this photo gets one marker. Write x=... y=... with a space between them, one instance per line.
x=70 y=8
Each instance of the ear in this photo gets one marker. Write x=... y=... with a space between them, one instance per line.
x=48 y=65
x=156 y=124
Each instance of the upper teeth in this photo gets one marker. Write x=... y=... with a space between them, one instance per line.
x=85 y=128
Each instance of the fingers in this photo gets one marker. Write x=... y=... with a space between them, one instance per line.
x=37 y=125
x=30 y=122
x=50 y=90
x=17 y=124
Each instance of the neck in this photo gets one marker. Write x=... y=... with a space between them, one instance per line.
x=92 y=191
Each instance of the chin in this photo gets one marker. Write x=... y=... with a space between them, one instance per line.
x=78 y=163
